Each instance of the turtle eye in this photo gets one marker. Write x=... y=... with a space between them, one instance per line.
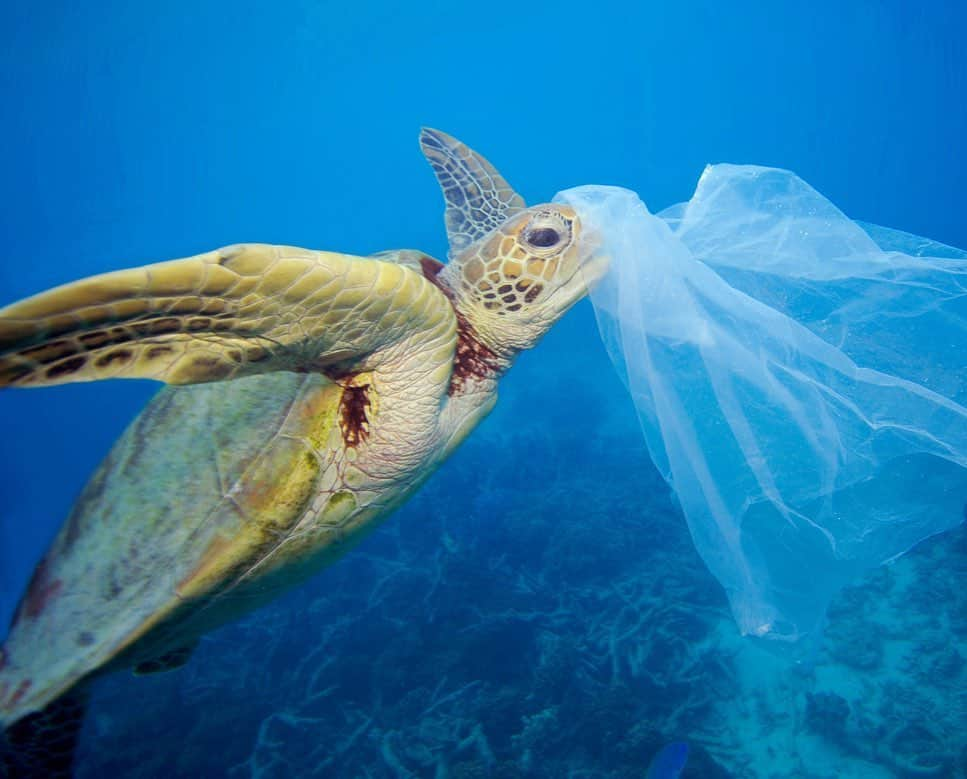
x=542 y=237
x=546 y=234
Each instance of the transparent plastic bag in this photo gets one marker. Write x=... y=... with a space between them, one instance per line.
x=801 y=381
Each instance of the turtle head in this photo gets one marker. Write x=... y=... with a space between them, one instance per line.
x=517 y=281
x=513 y=271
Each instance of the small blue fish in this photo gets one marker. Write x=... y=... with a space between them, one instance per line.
x=669 y=762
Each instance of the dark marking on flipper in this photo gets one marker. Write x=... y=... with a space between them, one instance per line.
x=119 y=356
x=42 y=744
x=48 y=352
x=153 y=352
x=154 y=327
x=211 y=368
x=40 y=591
x=70 y=365
x=100 y=338
x=11 y=374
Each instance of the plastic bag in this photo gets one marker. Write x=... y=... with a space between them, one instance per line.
x=801 y=381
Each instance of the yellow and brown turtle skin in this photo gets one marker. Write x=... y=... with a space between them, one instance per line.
x=317 y=392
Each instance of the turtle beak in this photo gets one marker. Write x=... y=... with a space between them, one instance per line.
x=593 y=261
x=592 y=265
x=594 y=269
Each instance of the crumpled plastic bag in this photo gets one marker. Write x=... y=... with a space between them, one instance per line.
x=800 y=378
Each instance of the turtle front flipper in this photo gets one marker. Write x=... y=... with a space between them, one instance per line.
x=233 y=312
x=171 y=660
x=478 y=198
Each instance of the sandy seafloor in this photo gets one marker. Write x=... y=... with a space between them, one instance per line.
x=538 y=609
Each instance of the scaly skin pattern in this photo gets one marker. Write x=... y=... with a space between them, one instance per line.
x=219 y=495
x=237 y=311
x=325 y=389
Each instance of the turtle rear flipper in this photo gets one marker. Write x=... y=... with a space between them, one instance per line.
x=169 y=661
x=42 y=744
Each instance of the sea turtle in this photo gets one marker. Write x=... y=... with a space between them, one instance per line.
x=324 y=389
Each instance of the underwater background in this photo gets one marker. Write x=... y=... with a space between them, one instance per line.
x=523 y=615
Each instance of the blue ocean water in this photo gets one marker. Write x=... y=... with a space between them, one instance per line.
x=520 y=614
